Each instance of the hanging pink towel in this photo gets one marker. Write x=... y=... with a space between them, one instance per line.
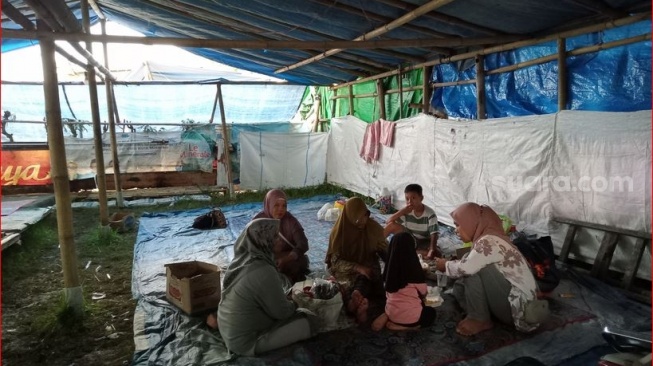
x=370 y=148
x=387 y=129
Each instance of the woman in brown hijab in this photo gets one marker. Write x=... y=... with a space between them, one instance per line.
x=355 y=245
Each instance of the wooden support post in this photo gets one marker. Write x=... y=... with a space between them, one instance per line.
x=562 y=74
x=112 y=124
x=427 y=91
x=333 y=108
x=566 y=245
x=59 y=175
x=318 y=103
x=381 y=95
x=215 y=105
x=97 y=129
x=604 y=255
x=351 y=100
x=401 y=92
x=225 y=138
x=633 y=264
x=115 y=106
x=480 y=87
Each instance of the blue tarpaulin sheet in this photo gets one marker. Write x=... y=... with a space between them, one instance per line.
x=164 y=335
x=614 y=79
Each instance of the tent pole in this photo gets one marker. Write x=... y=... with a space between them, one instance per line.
x=215 y=105
x=480 y=87
x=225 y=138
x=351 y=100
x=97 y=130
x=401 y=92
x=318 y=103
x=562 y=74
x=112 y=123
x=59 y=174
x=333 y=109
x=381 y=95
x=427 y=90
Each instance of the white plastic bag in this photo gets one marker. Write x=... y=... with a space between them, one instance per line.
x=321 y=214
x=332 y=214
x=327 y=311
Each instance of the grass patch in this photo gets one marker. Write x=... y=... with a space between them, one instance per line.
x=103 y=237
x=218 y=199
x=57 y=317
x=41 y=329
x=37 y=240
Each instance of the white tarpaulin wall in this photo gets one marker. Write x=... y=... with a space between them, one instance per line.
x=275 y=160
x=453 y=161
x=607 y=157
x=528 y=168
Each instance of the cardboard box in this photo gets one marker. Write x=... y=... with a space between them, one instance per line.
x=193 y=286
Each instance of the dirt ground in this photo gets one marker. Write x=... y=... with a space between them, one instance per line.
x=35 y=331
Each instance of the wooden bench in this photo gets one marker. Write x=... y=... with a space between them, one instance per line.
x=606 y=250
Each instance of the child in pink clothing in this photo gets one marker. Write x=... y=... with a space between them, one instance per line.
x=405 y=286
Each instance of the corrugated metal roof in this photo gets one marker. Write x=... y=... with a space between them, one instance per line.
x=495 y=21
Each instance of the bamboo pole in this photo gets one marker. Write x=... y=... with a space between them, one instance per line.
x=112 y=124
x=480 y=87
x=317 y=112
x=443 y=18
x=97 y=10
x=453 y=83
x=400 y=55
x=247 y=30
x=562 y=74
x=60 y=19
x=408 y=17
x=97 y=130
x=576 y=52
x=59 y=175
x=14 y=14
x=389 y=91
x=381 y=97
x=263 y=44
x=114 y=105
x=401 y=92
x=225 y=138
x=160 y=82
x=367 y=95
x=333 y=110
x=404 y=90
x=370 y=15
x=510 y=46
x=351 y=100
x=215 y=104
x=427 y=90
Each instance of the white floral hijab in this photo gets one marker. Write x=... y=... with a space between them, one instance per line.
x=254 y=244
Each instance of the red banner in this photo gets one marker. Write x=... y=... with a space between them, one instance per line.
x=25 y=167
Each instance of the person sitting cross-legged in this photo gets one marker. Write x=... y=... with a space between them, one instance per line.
x=495 y=280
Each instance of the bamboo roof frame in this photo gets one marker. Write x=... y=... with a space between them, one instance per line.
x=431 y=5
x=510 y=46
x=254 y=44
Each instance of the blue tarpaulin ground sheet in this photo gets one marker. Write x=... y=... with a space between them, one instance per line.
x=164 y=335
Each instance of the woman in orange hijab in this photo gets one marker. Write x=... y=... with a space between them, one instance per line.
x=496 y=280
x=356 y=244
